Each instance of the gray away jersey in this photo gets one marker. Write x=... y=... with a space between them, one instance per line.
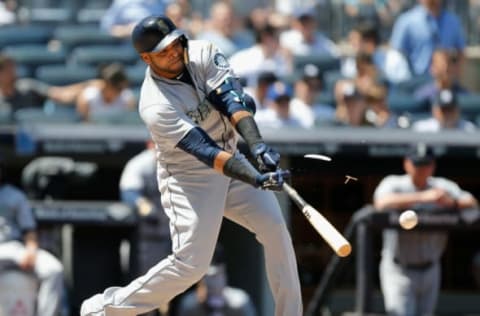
x=170 y=108
x=410 y=247
x=16 y=215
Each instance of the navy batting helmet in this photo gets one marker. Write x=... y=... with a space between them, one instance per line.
x=154 y=33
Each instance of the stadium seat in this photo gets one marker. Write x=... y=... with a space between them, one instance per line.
x=409 y=86
x=124 y=118
x=136 y=74
x=401 y=103
x=330 y=78
x=103 y=54
x=92 y=11
x=326 y=98
x=469 y=105
x=72 y=36
x=39 y=115
x=20 y=35
x=33 y=56
x=323 y=62
x=60 y=75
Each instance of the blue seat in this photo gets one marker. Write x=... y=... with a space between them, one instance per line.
x=28 y=34
x=136 y=74
x=401 y=103
x=411 y=85
x=103 y=54
x=469 y=105
x=124 y=118
x=60 y=75
x=330 y=78
x=72 y=36
x=33 y=56
x=323 y=62
x=40 y=115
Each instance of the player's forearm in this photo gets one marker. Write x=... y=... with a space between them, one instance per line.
x=200 y=145
x=397 y=201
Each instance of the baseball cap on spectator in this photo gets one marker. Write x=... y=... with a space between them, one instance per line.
x=420 y=154
x=279 y=91
x=445 y=98
x=268 y=77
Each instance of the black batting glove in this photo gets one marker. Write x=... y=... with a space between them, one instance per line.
x=267 y=158
x=273 y=180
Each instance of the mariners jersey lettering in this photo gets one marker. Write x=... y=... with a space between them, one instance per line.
x=170 y=108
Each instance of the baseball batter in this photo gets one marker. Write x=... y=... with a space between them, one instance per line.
x=193 y=106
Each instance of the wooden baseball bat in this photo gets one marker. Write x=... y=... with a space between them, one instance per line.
x=330 y=234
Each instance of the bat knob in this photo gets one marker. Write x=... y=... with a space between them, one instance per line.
x=344 y=250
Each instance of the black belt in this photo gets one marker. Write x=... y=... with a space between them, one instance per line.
x=415 y=266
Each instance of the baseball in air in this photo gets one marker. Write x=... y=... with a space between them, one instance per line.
x=408 y=219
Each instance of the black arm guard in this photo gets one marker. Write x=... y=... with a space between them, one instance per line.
x=241 y=169
x=229 y=98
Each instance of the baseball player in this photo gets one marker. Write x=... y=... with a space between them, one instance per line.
x=410 y=265
x=193 y=106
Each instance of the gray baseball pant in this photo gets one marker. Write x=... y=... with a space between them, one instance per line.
x=196 y=203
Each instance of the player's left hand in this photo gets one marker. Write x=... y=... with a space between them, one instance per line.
x=273 y=180
x=268 y=159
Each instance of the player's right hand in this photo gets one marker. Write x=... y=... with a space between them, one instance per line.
x=273 y=180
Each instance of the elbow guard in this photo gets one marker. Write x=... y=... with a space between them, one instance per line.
x=229 y=98
x=200 y=145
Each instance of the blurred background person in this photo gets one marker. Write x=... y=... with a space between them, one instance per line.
x=424 y=28
x=378 y=113
x=303 y=37
x=19 y=248
x=410 y=265
x=139 y=189
x=8 y=14
x=213 y=296
x=277 y=113
x=390 y=63
x=446 y=114
x=107 y=98
x=351 y=107
x=225 y=29
x=265 y=55
x=122 y=15
x=304 y=106
x=259 y=91
x=445 y=71
x=19 y=93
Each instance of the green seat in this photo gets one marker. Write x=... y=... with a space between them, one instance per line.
x=469 y=105
x=72 y=36
x=33 y=56
x=21 y=35
x=103 y=54
x=401 y=103
x=323 y=62
x=60 y=75
x=39 y=115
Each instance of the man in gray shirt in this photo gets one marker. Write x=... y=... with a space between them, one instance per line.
x=410 y=265
x=19 y=248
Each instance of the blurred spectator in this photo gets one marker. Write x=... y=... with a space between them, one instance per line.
x=350 y=94
x=304 y=106
x=277 y=114
x=446 y=114
x=445 y=70
x=351 y=106
x=391 y=64
x=225 y=30
x=213 y=296
x=181 y=16
x=304 y=38
x=19 y=249
x=109 y=97
x=424 y=28
x=139 y=189
x=17 y=93
x=8 y=12
x=259 y=92
x=376 y=11
x=378 y=114
x=122 y=15
x=265 y=55
x=410 y=264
